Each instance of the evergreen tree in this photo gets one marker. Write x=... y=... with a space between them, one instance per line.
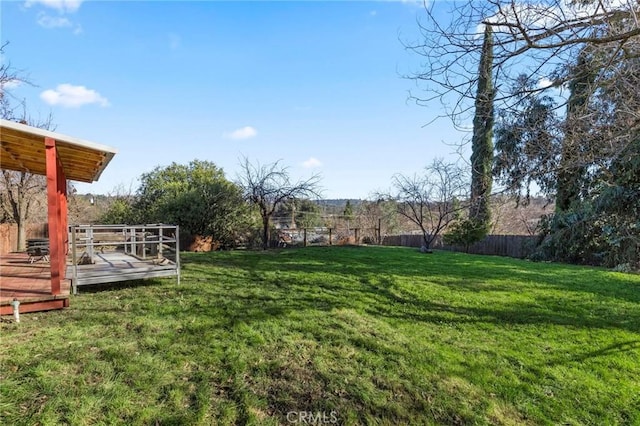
x=348 y=211
x=572 y=163
x=197 y=196
x=528 y=143
x=482 y=143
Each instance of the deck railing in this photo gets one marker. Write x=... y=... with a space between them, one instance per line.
x=152 y=247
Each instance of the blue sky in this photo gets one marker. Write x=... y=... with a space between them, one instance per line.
x=317 y=85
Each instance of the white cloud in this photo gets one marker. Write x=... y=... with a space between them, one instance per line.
x=47 y=21
x=68 y=95
x=246 y=132
x=62 y=6
x=373 y=13
x=10 y=84
x=311 y=163
x=544 y=83
x=51 y=22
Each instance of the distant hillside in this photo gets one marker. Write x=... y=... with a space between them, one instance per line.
x=340 y=202
x=337 y=206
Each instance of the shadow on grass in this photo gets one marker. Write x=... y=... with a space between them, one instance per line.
x=516 y=314
x=615 y=349
x=279 y=282
x=461 y=270
x=119 y=285
x=307 y=296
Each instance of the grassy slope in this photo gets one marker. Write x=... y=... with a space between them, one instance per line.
x=376 y=335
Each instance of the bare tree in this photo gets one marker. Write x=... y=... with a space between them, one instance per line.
x=82 y=208
x=531 y=37
x=267 y=186
x=431 y=200
x=541 y=49
x=11 y=77
x=376 y=218
x=20 y=191
x=512 y=217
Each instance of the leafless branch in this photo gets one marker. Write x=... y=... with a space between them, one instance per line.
x=535 y=38
x=431 y=200
x=268 y=185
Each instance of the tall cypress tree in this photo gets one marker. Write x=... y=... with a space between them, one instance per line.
x=482 y=142
x=571 y=170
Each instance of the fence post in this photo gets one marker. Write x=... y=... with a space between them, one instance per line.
x=89 y=235
x=144 y=243
x=329 y=236
x=74 y=259
x=178 y=266
x=305 y=236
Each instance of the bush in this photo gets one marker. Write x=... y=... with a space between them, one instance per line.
x=465 y=232
x=585 y=235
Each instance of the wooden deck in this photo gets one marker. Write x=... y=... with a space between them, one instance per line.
x=118 y=266
x=29 y=283
x=112 y=252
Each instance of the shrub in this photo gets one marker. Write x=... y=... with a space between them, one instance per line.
x=465 y=232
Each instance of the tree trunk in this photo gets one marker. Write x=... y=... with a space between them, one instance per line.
x=265 y=232
x=21 y=243
x=20 y=214
x=426 y=247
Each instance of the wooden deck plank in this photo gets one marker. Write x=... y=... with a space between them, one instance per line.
x=118 y=266
x=29 y=283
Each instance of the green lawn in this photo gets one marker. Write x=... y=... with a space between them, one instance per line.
x=373 y=335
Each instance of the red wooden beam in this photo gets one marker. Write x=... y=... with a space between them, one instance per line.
x=37 y=306
x=54 y=214
x=63 y=230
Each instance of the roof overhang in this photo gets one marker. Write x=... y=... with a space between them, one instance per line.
x=22 y=148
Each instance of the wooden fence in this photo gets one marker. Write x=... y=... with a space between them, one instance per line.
x=9 y=235
x=519 y=246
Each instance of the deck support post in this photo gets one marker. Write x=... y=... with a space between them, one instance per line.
x=57 y=214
